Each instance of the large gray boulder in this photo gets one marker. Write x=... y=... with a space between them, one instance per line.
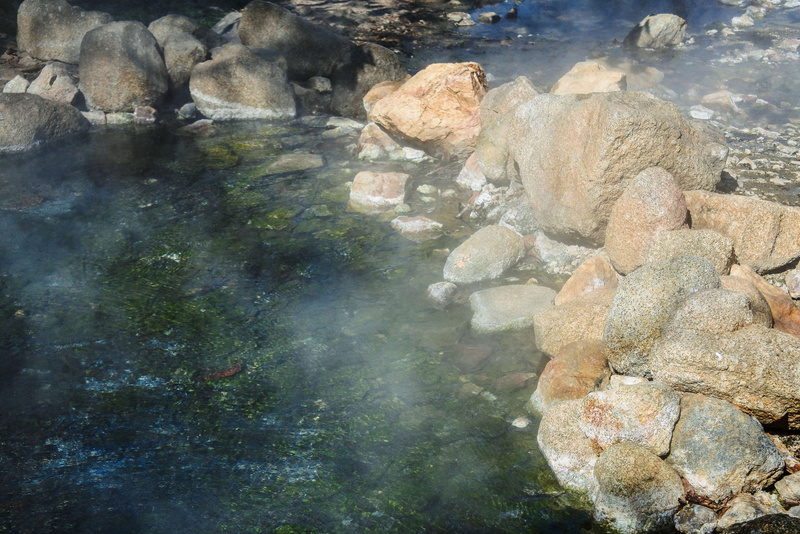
x=720 y=450
x=637 y=492
x=242 y=83
x=504 y=308
x=310 y=49
x=766 y=235
x=577 y=154
x=121 y=68
x=181 y=48
x=28 y=120
x=644 y=302
x=485 y=255
x=53 y=29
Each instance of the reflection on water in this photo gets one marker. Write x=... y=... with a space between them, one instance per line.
x=136 y=264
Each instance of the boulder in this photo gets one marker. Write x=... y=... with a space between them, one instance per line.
x=785 y=315
x=418 y=228
x=242 y=83
x=121 y=68
x=746 y=507
x=29 y=120
x=54 y=29
x=753 y=368
x=227 y=28
x=437 y=109
x=577 y=370
x=568 y=452
x=375 y=144
x=440 y=294
x=644 y=414
x=181 y=48
x=369 y=64
x=17 y=84
x=644 y=302
x=590 y=77
x=637 y=491
x=471 y=176
x=717 y=311
x=695 y=519
x=789 y=488
x=638 y=77
x=766 y=235
x=376 y=192
x=581 y=319
x=577 y=154
x=708 y=244
x=503 y=308
x=758 y=303
x=651 y=203
x=55 y=83
x=593 y=274
x=310 y=49
x=657 y=31
x=720 y=450
x=485 y=255
x=768 y=524
x=497 y=109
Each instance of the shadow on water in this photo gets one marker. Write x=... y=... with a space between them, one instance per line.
x=139 y=268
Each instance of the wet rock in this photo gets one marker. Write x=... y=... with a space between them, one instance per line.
x=471 y=176
x=497 y=108
x=573 y=189
x=29 y=120
x=295 y=162
x=765 y=235
x=53 y=29
x=55 y=83
x=789 y=488
x=695 y=519
x=440 y=294
x=310 y=49
x=590 y=77
x=18 y=84
x=744 y=21
x=636 y=490
x=181 y=48
x=768 y=524
x=121 y=68
x=469 y=358
x=785 y=315
x=644 y=414
x=582 y=319
x=418 y=228
x=438 y=108
x=242 y=83
x=374 y=192
x=701 y=113
x=724 y=100
x=744 y=507
x=577 y=370
x=485 y=255
x=489 y=17
x=514 y=382
x=375 y=144
x=557 y=257
x=144 y=115
x=200 y=128
x=568 y=452
x=504 y=308
x=720 y=450
x=643 y=304
x=758 y=303
x=651 y=203
x=96 y=118
x=657 y=31
x=708 y=244
x=368 y=65
x=751 y=368
x=593 y=274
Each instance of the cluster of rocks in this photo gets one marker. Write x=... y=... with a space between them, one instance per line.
x=258 y=64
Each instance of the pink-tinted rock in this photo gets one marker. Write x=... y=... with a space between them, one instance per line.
x=485 y=255
x=590 y=77
x=651 y=203
x=418 y=228
x=438 y=108
x=785 y=314
x=593 y=274
x=471 y=176
x=582 y=319
x=374 y=192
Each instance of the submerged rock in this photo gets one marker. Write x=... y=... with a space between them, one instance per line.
x=485 y=255
x=373 y=192
x=28 y=120
x=503 y=308
x=418 y=228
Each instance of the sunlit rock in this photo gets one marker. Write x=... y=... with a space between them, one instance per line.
x=708 y=244
x=785 y=315
x=418 y=228
x=485 y=255
x=590 y=77
x=576 y=320
x=373 y=192
x=593 y=274
x=657 y=31
x=503 y=308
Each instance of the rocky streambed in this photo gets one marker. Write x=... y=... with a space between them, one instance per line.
x=545 y=283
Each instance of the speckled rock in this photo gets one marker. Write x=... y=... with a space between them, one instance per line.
x=720 y=450
x=578 y=369
x=644 y=414
x=644 y=302
x=768 y=524
x=746 y=507
x=376 y=192
x=181 y=48
x=590 y=77
x=568 y=452
x=657 y=31
x=716 y=311
x=418 y=228
x=789 y=488
x=593 y=274
x=651 y=203
x=485 y=255
x=708 y=244
x=759 y=304
x=637 y=491
x=496 y=112
x=695 y=519
x=792 y=280
x=55 y=83
x=766 y=235
x=785 y=315
x=29 y=120
x=503 y=308
x=440 y=294
x=581 y=319
x=471 y=176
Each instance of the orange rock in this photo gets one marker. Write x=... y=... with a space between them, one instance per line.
x=593 y=274
x=785 y=314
